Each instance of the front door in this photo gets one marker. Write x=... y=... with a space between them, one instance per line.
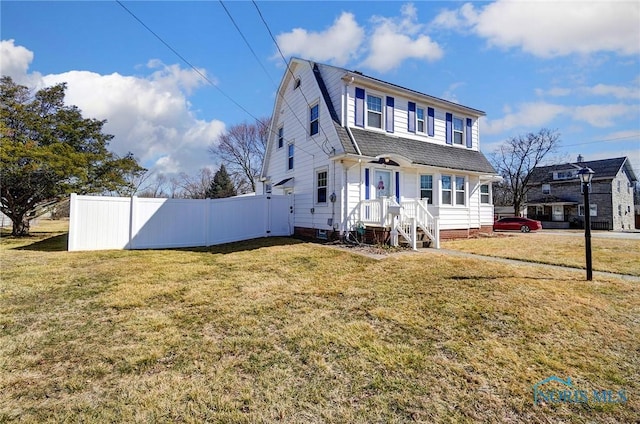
x=558 y=213
x=382 y=184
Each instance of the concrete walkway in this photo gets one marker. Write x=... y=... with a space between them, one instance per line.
x=533 y=264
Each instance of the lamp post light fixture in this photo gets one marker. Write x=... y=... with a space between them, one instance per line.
x=586 y=174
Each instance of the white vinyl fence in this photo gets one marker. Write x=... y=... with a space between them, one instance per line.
x=99 y=223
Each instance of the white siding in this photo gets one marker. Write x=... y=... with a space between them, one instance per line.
x=401 y=128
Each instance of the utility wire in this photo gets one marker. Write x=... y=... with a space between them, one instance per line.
x=290 y=71
x=200 y=73
x=600 y=141
x=304 y=127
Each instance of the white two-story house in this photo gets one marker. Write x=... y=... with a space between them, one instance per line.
x=355 y=152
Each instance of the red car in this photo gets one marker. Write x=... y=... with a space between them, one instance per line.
x=517 y=224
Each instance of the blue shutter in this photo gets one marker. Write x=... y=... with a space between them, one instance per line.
x=366 y=184
x=469 y=139
x=359 y=107
x=449 y=128
x=398 y=187
x=430 y=122
x=389 y=114
x=411 y=118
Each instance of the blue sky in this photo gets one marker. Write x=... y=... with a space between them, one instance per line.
x=571 y=66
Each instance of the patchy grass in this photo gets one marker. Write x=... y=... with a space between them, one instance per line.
x=278 y=330
x=609 y=255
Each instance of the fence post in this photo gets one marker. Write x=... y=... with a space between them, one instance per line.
x=132 y=221
x=267 y=227
x=207 y=219
x=73 y=223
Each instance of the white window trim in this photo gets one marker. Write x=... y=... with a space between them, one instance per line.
x=454 y=131
x=292 y=157
x=454 y=191
x=593 y=210
x=549 y=188
x=424 y=120
x=316 y=187
x=431 y=199
x=463 y=191
x=487 y=194
x=442 y=190
x=316 y=103
x=366 y=110
x=279 y=137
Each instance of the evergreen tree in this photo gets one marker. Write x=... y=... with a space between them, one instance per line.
x=221 y=186
x=48 y=150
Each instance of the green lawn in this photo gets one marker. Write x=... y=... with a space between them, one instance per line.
x=275 y=330
x=610 y=255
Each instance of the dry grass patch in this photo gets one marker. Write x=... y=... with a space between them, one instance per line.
x=277 y=330
x=609 y=255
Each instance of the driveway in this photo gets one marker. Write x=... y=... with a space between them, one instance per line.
x=623 y=235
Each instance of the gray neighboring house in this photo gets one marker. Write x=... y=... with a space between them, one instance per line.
x=555 y=196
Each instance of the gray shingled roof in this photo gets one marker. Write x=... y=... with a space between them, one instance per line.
x=605 y=168
x=344 y=138
x=375 y=144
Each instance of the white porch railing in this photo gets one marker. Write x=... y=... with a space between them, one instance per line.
x=404 y=219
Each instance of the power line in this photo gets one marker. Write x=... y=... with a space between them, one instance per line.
x=202 y=75
x=326 y=138
x=603 y=140
x=263 y=68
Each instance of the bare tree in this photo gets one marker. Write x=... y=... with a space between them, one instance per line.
x=154 y=188
x=242 y=149
x=194 y=187
x=517 y=157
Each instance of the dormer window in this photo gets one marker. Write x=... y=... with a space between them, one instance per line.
x=458 y=130
x=374 y=111
x=420 y=119
x=564 y=175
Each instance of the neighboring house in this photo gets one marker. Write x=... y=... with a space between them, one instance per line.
x=555 y=196
x=355 y=151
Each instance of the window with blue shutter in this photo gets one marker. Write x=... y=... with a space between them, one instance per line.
x=359 y=107
x=449 y=128
x=469 y=139
x=411 y=118
x=430 y=122
x=389 y=114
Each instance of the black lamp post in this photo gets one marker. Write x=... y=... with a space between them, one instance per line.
x=586 y=174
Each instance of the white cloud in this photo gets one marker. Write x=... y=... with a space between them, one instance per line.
x=617 y=91
x=536 y=114
x=149 y=116
x=602 y=116
x=16 y=61
x=549 y=29
x=336 y=44
x=389 y=41
x=540 y=114
x=395 y=40
x=604 y=90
